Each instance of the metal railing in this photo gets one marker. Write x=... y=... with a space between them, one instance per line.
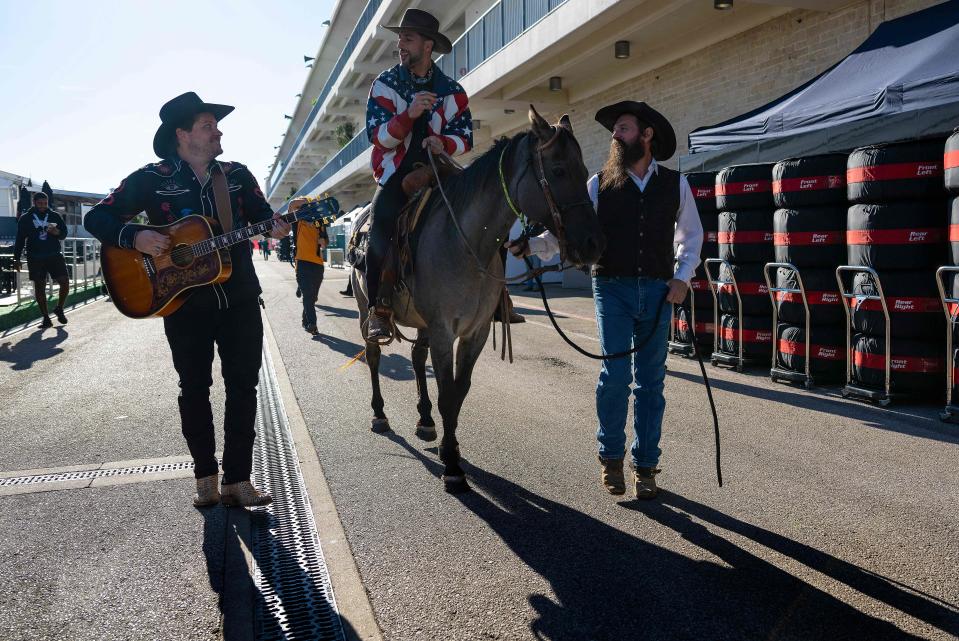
x=504 y=22
x=351 y=45
x=950 y=307
x=84 y=269
x=501 y=24
x=776 y=372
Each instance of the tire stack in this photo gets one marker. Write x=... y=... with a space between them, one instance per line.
x=703 y=186
x=745 y=239
x=809 y=231
x=897 y=224
x=951 y=174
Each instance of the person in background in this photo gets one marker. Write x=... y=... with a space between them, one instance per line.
x=40 y=231
x=310 y=239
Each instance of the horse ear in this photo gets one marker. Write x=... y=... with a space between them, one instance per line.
x=565 y=123
x=542 y=129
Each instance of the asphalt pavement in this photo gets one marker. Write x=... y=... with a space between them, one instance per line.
x=837 y=520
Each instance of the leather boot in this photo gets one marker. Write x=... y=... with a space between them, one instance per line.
x=644 y=482
x=380 y=327
x=611 y=473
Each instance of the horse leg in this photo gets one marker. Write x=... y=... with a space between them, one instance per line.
x=467 y=353
x=441 y=351
x=380 y=423
x=425 y=427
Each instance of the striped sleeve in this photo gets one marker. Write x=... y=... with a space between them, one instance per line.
x=457 y=134
x=386 y=128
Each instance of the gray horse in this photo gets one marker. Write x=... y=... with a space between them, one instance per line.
x=457 y=280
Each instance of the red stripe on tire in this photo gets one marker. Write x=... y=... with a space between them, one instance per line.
x=730 y=237
x=809 y=183
x=914 y=364
x=821 y=352
x=894 y=171
x=802 y=238
x=748 y=187
x=894 y=236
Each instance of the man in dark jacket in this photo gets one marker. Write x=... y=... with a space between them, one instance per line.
x=189 y=180
x=41 y=230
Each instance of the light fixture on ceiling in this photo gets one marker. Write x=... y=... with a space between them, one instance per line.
x=555 y=83
x=325 y=23
x=288 y=117
x=299 y=95
x=308 y=58
x=722 y=5
x=621 y=49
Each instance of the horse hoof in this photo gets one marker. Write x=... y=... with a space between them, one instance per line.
x=455 y=484
x=425 y=432
x=380 y=425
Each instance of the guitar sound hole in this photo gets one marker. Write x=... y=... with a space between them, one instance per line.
x=182 y=255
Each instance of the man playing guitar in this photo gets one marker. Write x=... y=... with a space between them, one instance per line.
x=188 y=180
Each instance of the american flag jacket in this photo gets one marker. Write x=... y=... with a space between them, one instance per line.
x=390 y=128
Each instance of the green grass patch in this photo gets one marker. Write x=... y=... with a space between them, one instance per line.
x=13 y=315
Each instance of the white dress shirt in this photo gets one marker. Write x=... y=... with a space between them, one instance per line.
x=687 y=239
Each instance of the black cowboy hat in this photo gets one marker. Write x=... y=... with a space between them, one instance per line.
x=665 y=136
x=174 y=112
x=424 y=24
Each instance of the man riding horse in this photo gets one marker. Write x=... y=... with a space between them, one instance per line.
x=412 y=106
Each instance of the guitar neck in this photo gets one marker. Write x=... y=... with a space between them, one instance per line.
x=241 y=234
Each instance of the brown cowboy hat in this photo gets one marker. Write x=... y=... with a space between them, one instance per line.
x=665 y=136
x=174 y=112
x=425 y=24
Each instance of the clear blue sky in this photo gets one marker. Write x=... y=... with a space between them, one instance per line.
x=82 y=82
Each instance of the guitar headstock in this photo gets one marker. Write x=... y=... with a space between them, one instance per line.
x=319 y=210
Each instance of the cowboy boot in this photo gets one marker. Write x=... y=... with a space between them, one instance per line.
x=206 y=491
x=243 y=494
x=611 y=473
x=644 y=482
x=380 y=327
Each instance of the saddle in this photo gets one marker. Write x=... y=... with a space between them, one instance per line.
x=418 y=185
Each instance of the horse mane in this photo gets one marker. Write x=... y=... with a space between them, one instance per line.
x=480 y=175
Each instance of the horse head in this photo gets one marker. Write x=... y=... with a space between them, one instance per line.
x=558 y=198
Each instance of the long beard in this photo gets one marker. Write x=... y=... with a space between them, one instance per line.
x=621 y=157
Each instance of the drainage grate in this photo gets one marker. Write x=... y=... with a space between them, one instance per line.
x=95 y=474
x=294 y=596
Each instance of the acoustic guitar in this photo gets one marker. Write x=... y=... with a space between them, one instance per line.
x=142 y=285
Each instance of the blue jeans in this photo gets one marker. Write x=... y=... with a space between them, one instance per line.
x=625 y=315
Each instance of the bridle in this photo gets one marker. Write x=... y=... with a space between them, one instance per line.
x=554 y=209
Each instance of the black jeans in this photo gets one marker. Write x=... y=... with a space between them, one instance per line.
x=309 y=277
x=387 y=202
x=238 y=335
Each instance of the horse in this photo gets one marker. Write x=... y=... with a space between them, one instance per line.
x=457 y=273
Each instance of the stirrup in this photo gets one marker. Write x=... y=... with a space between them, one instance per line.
x=383 y=334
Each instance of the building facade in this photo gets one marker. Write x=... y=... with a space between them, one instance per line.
x=695 y=64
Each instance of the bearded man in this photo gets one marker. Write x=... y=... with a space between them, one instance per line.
x=654 y=236
x=412 y=106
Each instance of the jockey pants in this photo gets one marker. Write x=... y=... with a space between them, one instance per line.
x=626 y=310
x=387 y=202
x=237 y=332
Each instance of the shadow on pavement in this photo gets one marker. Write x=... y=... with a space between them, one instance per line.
x=870 y=416
x=611 y=585
x=392 y=365
x=340 y=312
x=33 y=348
x=227 y=534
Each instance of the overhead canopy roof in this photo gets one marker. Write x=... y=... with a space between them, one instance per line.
x=902 y=83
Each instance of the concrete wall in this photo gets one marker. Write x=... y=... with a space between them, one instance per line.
x=741 y=73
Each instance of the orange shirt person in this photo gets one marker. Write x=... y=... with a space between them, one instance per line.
x=310 y=239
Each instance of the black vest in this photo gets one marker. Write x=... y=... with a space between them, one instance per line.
x=639 y=227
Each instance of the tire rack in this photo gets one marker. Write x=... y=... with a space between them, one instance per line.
x=950 y=414
x=720 y=357
x=674 y=346
x=777 y=373
x=881 y=397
